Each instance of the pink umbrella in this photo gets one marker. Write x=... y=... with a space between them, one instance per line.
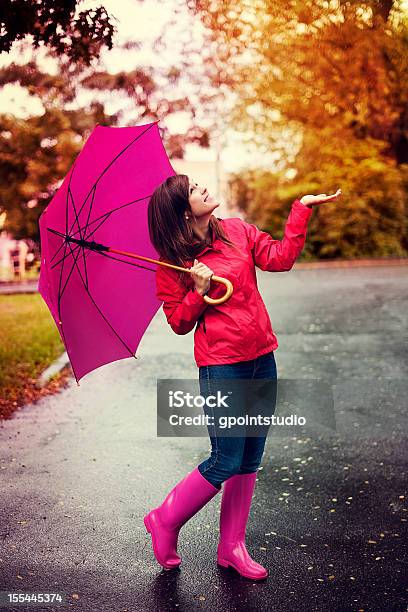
x=102 y=301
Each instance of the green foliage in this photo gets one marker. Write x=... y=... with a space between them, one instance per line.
x=330 y=97
x=368 y=220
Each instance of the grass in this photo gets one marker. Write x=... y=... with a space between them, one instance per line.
x=29 y=342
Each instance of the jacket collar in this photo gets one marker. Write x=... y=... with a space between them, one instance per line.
x=212 y=245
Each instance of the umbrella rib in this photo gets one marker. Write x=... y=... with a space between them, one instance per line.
x=60 y=283
x=104 y=218
x=80 y=233
x=61 y=327
x=90 y=235
x=100 y=311
x=66 y=234
x=59 y=316
x=65 y=248
x=105 y=215
x=109 y=212
x=60 y=293
x=66 y=215
x=89 y=213
x=76 y=247
x=90 y=208
x=56 y=253
x=93 y=188
x=75 y=212
x=72 y=235
x=74 y=251
x=63 y=243
x=70 y=272
x=66 y=203
x=109 y=165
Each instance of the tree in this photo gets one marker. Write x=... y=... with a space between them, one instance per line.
x=55 y=24
x=36 y=153
x=329 y=95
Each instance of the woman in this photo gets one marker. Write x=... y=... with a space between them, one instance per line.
x=231 y=340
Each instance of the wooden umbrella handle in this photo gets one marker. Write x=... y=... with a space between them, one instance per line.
x=207 y=298
x=227 y=294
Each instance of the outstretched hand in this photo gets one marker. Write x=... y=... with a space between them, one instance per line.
x=312 y=200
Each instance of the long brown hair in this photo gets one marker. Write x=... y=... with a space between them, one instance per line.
x=171 y=234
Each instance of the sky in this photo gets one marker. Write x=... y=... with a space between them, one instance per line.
x=143 y=21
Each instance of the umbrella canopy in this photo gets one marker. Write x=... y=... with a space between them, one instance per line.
x=102 y=302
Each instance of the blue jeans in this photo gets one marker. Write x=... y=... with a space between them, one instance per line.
x=234 y=455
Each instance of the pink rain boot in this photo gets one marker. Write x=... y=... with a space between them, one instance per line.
x=235 y=506
x=165 y=521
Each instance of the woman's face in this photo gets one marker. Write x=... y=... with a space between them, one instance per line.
x=201 y=202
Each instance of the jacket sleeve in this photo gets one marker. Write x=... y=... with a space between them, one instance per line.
x=280 y=255
x=182 y=307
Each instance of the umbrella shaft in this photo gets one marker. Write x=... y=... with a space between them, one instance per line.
x=156 y=261
x=94 y=246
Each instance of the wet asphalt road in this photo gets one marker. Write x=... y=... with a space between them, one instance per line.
x=329 y=519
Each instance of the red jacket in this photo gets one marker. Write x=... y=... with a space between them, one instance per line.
x=240 y=328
